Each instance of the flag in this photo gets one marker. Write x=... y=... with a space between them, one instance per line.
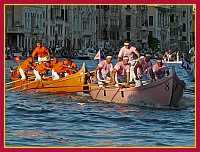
x=17 y=59
x=98 y=55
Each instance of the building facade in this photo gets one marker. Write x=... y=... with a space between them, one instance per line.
x=100 y=26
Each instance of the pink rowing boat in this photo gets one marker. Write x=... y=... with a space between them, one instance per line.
x=166 y=92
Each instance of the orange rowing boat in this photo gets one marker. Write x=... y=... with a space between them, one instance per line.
x=71 y=83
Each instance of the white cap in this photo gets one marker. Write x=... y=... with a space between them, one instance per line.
x=125 y=58
x=159 y=60
x=108 y=57
x=126 y=43
x=149 y=55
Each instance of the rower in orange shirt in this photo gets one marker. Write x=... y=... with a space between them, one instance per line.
x=54 y=61
x=57 y=69
x=41 y=69
x=71 y=66
x=42 y=52
x=25 y=67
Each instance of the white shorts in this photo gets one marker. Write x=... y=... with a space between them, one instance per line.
x=42 y=59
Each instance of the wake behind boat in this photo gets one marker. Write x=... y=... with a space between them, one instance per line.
x=71 y=83
x=166 y=92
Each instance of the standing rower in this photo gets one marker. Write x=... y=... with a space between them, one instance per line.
x=42 y=52
x=129 y=51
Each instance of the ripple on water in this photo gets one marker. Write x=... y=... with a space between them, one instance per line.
x=64 y=119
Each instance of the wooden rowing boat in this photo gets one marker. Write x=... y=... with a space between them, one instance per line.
x=173 y=62
x=167 y=91
x=71 y=83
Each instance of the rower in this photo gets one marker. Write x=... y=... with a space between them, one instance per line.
x=103 y=68
x=130 y=52
x=25 y=67
x=160 y=69
x=41 y=69
x=57 y=69
x=71 y=66
x=142 y=66
x=120 y=70
x=42 y=52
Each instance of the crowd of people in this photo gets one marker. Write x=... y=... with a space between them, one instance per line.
x=126 y=69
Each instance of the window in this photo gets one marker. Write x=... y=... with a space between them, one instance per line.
x=128 y=7
x=184 y=13
x=128 y=36
x=65 y=15
x=46 y=29
x=97 y=20
x=184 y=38
x=150 y=20
x=184 y=27
x=128 y=20
x=172 y=18
x=62 y=14
x=150 y=33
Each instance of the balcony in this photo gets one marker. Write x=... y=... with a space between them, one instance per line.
x=36 y=30
x=15 y=30
x=58 y=21
x=114 y=27
x=128 y=27
x=87 y=33
x=144 y=40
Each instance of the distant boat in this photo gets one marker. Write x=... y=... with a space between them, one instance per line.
x=83 y=55
x=174 y=62
x=166 y=92
x=172 y=59
x=189 y=68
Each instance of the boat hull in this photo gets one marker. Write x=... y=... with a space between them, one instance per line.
x=167 y=92
x=71 y=83
x=83 y=57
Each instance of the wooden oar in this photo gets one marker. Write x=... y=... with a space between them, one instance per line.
x=20 y=86
x=18 y=80
x=23 y=84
